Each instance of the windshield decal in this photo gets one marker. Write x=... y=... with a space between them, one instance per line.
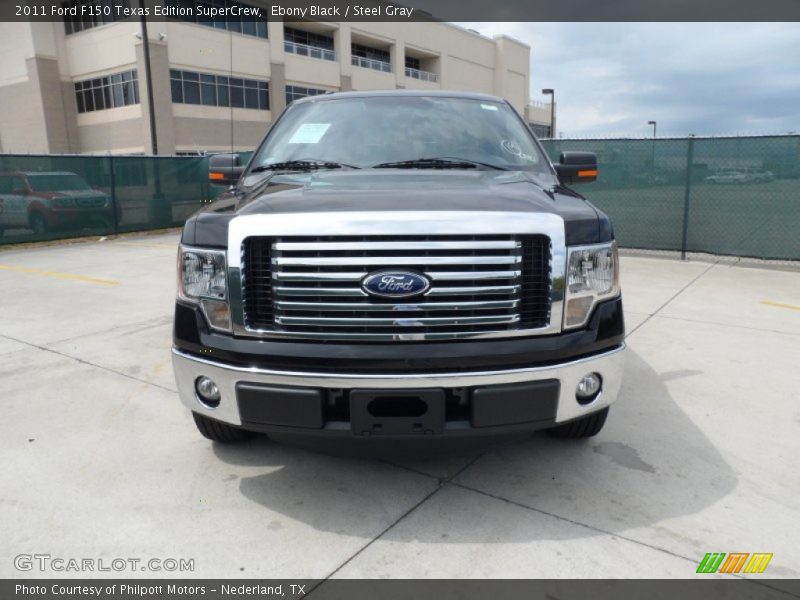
x=309 y=133
x=512 y=147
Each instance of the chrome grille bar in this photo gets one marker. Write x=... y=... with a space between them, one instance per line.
x=411 y=245
x=321 y=261
x=358 y=276
x=442 y=291
x=410 y=306
x=397 y=321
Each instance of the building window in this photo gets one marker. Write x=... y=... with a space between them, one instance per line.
x=189 y=87
x=112 y=91
x=92 y=13
x=412 y=63
x=298 y=36
x=371 y=58
x=295 y=92
x=415 y=71
x=305 y=43
x=541 y=131
x=246 y=26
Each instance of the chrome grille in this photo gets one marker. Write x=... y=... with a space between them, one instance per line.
x=479 y=284
x=92 y=202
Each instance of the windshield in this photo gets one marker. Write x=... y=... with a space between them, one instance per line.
x=57 y=183
x=369 y=131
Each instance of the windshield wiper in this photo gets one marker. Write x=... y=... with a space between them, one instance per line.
x=303 y=164
x=444 y=162
x=562 y=189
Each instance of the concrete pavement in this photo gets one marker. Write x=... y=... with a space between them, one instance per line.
x=101 y=460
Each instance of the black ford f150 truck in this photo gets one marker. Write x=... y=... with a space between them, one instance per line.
x=399 y=265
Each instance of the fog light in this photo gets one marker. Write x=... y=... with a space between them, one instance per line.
x=207 y=391
x=588 y=388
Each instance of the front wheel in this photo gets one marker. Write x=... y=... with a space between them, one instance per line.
x=217 y=431
x=584 y=427
x=38 y=224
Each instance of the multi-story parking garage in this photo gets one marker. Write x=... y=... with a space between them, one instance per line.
x=80 y=86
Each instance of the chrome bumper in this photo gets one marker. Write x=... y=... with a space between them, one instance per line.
x=188 y=368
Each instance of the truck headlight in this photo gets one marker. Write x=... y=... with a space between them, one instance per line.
x=592 y=276
x=202 y=280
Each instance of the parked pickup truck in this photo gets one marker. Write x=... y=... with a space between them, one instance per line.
x=398 y=265
x=45 y=201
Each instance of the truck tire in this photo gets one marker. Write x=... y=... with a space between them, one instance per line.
x=37 y=223
x=581 y=428
x=219 y=432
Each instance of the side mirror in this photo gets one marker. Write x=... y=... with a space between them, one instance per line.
x=224 y=169
x=577 y=167
x=19 y=192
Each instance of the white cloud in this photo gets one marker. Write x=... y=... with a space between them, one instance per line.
x=702 y=78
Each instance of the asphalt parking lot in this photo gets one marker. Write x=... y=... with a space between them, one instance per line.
x=101 y=460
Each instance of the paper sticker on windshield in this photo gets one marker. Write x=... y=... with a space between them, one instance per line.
x=488 y=107
x=309 y=133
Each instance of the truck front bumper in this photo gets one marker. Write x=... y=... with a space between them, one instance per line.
x=455 y=403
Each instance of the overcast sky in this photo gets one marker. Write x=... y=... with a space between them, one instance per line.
x=701 y=78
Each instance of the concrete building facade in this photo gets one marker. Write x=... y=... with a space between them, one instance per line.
x=80 y=87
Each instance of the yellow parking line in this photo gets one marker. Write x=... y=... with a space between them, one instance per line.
x=59 y=275
x=781 y=305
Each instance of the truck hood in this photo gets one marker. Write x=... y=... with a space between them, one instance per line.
x=413 y=190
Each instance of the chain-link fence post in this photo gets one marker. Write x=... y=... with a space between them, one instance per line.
x=687 y=195
x=115 y=217
x=160 y=207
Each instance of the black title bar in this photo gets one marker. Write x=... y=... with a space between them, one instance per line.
x=700 y=588
x=408 y=10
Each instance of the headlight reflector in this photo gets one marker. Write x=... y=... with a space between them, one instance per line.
x=202 y=274
x=592 y=276
x=202 y=280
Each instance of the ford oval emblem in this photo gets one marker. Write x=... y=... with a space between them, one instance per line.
x=395 y=284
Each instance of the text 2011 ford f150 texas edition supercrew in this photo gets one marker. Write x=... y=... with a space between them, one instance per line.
x=399 y=265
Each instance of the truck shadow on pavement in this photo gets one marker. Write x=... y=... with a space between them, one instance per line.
x=650 y=463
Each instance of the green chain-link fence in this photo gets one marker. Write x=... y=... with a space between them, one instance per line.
x=50 y=197
x=736 y=196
